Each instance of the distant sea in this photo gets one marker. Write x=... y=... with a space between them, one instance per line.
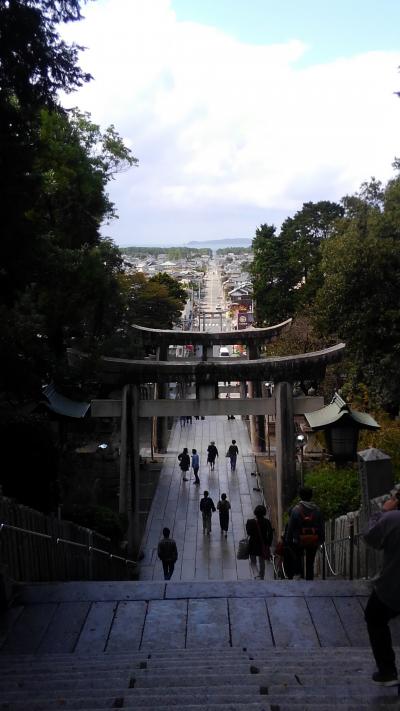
x=220 y=243
x=199 y=244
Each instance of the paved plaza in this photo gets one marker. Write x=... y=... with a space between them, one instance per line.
x=176 y=505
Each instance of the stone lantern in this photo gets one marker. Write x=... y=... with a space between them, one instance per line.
x=341 y=427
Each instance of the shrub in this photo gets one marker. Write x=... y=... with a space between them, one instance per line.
x=335 y=491
x=99 y=518
x=387 y=439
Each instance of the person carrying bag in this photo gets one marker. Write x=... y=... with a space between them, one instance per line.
x=260 y=534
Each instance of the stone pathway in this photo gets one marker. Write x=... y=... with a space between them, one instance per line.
x=176 y=505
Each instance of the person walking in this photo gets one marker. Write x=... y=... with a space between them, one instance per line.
x=305 y=533
x=383 y=533
x=184 y=463
x=167 y=553
x=207 y=508
x=223 y=507
x=195 y=465
x=260 y=533
x=212 y=453
x=232 y=453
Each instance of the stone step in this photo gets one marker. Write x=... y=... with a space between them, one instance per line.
x=271 y=705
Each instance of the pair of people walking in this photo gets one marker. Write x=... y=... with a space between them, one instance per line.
x=232 y=453
x=207 y=508
x=185 y=461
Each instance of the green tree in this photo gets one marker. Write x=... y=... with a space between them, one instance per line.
x=359 y=300
x=304 y=233
x=175 y=289
x=59 y=277
x=272 y=276
x=35 y=63
x=151 y=303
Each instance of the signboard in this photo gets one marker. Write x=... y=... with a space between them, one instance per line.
x=244 y=319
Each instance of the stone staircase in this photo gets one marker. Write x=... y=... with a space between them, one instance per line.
x=234 y=680
x=267 y=646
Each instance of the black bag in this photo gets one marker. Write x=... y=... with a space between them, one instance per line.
x=184 y=461
x=243 y=549
x=308 y=535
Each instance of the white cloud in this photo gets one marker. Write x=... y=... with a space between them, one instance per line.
x=215 y=121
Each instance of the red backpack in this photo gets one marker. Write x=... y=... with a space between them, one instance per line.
x=308 y=535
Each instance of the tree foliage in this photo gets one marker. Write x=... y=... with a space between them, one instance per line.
x=59 y=278
x=272 y=276
x=336 y=269
x=335 y=491
x=360 y=296
x=286 y=268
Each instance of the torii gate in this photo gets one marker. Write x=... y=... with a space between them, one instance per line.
x=206 y=374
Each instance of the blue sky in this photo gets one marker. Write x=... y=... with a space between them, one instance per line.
x=330 y=28
x=239 y=111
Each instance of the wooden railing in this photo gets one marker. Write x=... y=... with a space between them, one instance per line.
x=346 y=555
x=38 y=548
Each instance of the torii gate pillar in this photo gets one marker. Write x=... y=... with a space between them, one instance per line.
x=285 y=447
x=257 y=422
x=129 y=491
x=160 y=424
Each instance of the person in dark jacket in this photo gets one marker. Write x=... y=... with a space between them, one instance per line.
x=260 y=533
x=207 y=508
x=223 y=507
x=184 y=462
x=212 y=453
x=232 y=453
x=305 y=533
x=167 y=553
x=383 y=533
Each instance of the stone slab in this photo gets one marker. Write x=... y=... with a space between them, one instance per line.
x=65 y=627
x=127 y=627
x=249 y=623
x=290 y=623
x=327 y=622
x=277 y=588
x=165 y=625
x=352 y=616
x=95 y=632
x=29 y=629
x=208 y=624
x=90 y=591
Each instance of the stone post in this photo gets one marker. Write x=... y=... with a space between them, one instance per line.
x=285 y=447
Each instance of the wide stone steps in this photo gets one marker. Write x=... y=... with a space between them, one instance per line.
x=218 y=680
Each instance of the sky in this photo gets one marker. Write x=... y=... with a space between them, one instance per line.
x=239 y=111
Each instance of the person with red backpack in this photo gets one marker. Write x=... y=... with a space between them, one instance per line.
x=305 y=533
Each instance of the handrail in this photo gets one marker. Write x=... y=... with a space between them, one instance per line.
x=24 y=530
x=89 y=548
x=324 y=551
